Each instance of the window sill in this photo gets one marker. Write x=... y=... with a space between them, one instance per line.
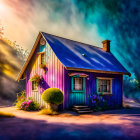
x=77 y=91
x=35 y=90
x=105 y=94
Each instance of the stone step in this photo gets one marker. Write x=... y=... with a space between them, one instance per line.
x=82 y=109
x=83 y=112
x=80 y=106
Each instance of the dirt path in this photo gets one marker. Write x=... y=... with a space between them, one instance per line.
x=116 y=124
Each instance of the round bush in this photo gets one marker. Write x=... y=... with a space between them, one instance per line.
x=53 y=96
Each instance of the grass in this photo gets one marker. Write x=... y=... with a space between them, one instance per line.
x=47 y=111
x=4 y=114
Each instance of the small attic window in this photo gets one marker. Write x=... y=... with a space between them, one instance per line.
x=42 y=45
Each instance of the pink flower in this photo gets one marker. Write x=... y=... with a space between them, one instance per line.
x=29 y=102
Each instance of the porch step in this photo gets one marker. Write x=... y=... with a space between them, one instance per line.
x=83 y=112
x=82 y=106
x=82 y=109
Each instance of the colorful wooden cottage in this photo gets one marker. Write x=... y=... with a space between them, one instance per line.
x=77 y=69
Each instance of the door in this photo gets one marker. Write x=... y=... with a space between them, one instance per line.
x=77 y=95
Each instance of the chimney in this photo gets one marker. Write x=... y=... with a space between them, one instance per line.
x=106 y=45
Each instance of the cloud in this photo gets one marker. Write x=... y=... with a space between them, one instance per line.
x=56 y=17
x=88 y=21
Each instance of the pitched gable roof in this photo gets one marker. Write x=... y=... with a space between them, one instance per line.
x=74 y=54
x=79 y=56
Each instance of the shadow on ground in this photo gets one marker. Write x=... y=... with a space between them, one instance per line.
x=23 y=129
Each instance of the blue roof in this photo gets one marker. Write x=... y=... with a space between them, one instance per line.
x=79 y=55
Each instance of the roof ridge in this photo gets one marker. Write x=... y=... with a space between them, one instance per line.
x=72 y=40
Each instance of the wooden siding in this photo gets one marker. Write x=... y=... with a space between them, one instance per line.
x=77 y=97
x=53 y=78
x=57 y=76
x=114 y=100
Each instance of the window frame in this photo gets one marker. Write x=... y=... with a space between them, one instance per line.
x=104 y=78
x=83 y=83
x=42 y=53
x=32 y=86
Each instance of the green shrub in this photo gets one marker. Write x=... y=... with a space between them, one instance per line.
x=4 y=114
x=21 y=97
x=48 y=111
x=53 y=96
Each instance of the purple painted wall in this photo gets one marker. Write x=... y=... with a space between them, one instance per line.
x=114 y=100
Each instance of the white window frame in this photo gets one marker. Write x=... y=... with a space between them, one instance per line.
x=105 y=78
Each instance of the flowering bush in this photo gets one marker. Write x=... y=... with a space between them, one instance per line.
x=35 y=78
x=26 y=104
x=44 y=67
x=30 y=105
x=97 y=102
x=96 y=99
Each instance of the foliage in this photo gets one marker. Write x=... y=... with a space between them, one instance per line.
x=95 y=98
x=44 y=67
x=105 y=105
x=21 y=52
x=26 y=104
x=48 y=111
x=53 y=96
x=30 y=105
x=36 y=78
x=133 y=83
x=98 y=103
x=4 y=114
x=21 y=97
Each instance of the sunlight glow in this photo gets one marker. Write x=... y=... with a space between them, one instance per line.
x=2 y=8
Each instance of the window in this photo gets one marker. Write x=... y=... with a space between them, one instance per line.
x=104 y=85
x=42 y=58
x=78 y=83
x=34 y=85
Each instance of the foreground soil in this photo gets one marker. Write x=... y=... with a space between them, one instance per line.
x=121 y=124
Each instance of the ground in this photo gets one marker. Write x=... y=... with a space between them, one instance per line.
x=115 y=124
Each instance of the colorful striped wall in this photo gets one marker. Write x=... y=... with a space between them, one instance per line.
x=53 y=78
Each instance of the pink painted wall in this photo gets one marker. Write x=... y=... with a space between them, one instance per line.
x=53 y=78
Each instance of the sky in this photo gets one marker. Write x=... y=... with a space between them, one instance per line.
x=90 y=21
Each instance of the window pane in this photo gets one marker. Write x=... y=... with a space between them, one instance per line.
x=104 y=85
x=42 y=58
x=78 y=83
x=108 y=86
x=34 y=85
